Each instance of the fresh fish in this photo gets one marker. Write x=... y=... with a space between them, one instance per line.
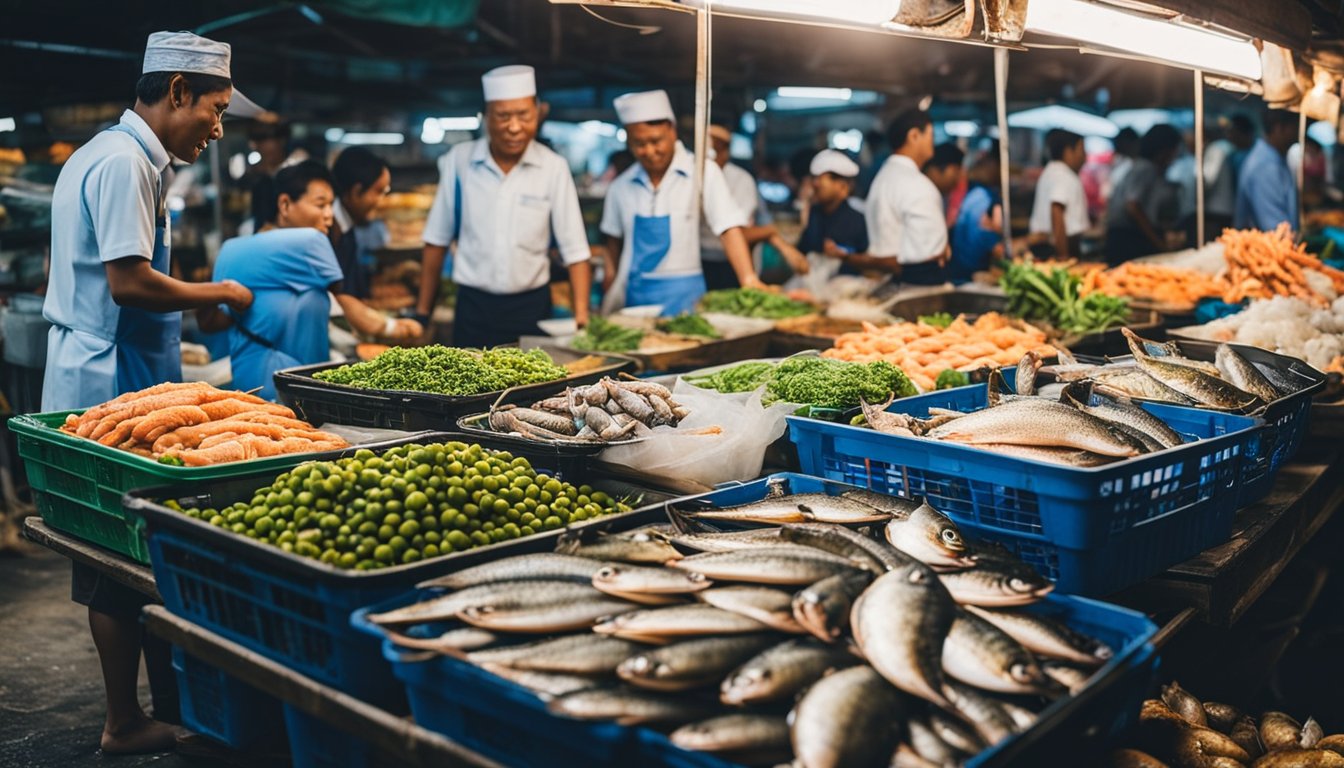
x=660 y=625
x=729 y=541
x=1221 y=717
x=994 y=391
x=930 y=537
x=823 y=609
x=581 y=654
x=780 y=672
x=848 y=719
x=648 y=598
x=980 y=654
x=1071 y=677
x=1126 y=414
x=627 y=705
x=895 y=506
x=1134 y=382
x=1047 y=637
x=1296 y=757
x=1035 y=421
x=1279 y=731
x=1069 y=457
x=798 y=508
x=1153 y=348
x=899 y=623
x=771 y=607
x=1195 y=384
x=930 y=745
x=547 y=685
x=772 y=565
x=905 y=756
x=643 y=547
x=1184 y=704
x=1282 y=378
x=955 y=733
x=1244 y=375
x=541 y=566
x=1027 y=368
x=997 y=584
x=1022 y=717
x=985 y=714
x=458 y=640
x=619 y=579
x=1312 y=733
x=691 y=664
x=852 y=545
x=525 y=614
x=878 y=418
x=764 y=737
x=448 y=606
x=1050 y=391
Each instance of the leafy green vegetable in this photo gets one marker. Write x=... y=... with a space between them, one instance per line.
x=1053 y=297
x=951 y=378
x=937 y=319
x=602 y=335
x=688 y=324
x=739 y=378
x=448 y=370
x=751 y=302
x=814 y=381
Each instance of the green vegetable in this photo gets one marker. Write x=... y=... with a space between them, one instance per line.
x=815 y=381
x=173 y=461
x=688 y=324
x=372 y=511
x=751 y=302
x=740 y=378
x=448 y=370
x=951 y=378
x=1053 y=297
x=602 y=335
x=937 y=319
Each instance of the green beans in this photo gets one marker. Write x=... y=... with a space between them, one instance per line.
x=751 y=302
x=602 y=335
x=410 y=503
x=688 y=324
x=448 y=370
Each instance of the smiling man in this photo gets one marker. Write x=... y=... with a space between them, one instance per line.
x=116 y=312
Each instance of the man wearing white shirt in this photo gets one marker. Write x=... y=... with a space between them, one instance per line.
x=1059 y=212
x=501 y=199
x=907 y=228
x=650 y=217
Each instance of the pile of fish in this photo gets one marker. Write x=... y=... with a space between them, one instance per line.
x=608 y=411
x=1179 y=731
x=798 y=639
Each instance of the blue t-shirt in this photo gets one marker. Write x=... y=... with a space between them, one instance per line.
x=846 y=226
x=289 y=272
x=972 y=243
x=1266 y=192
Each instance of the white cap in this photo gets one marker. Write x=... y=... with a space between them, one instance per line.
x=644 y=107
x=834 y=161
x=186 y=52
x=515 y=81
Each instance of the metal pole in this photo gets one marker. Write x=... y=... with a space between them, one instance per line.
x=1199 y=159
x=1001 y=97
x=702 y=77
x=1301 y=164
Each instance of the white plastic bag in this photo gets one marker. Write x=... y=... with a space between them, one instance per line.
x=724 y=438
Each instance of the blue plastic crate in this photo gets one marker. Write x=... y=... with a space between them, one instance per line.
x=1093 y=531
x=221 y=707
x=315 y=744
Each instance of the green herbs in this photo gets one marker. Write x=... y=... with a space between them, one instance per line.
x=814 y=381
x=937 y=319
x=951 y=378
x=602 y=335
x=172 y=461
x=448 y=370
x=688 y=324
x=1053 y=297
x=750 y=302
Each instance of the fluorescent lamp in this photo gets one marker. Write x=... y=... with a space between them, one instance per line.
x=1168 y=41
x=468 y=123
x=385 y=139
x=961 y=129
x=867 y=12
x=823 y=94
x=1057 y=116
x=851 y=140
x=7 y=124
x=600 y=128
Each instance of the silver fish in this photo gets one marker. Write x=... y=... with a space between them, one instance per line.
x=539 y=566
x=648 y=598
x=690 y=664
x=546 y=685
x=780 y=672
x=658 y=625
x=1069 y=457
x=995 y=584
x=728 y=541
x=1071 y=677
x=627 y=705
x=1126 y=415
x=980 y=654
x=644 y=546
x=1033 y=421
x=955 y=733
x=1047 y=637
x=905 y=756
x=823 y=608
x=1195 y=384
x=771 y=607
x=930 y=746
x=764 y=737
x=841 y=541
x=899 y=623
x=895 y=506
x=1022 y=717
x=581 y=654
x=848 y=719
x=448 y=606
x=626 y=579
x=984 y=713
x=799 y=508
x=772 y=565
x=1244 y=375
x=1132 y=381
x=453 y=641
x=930 y=537
x=525 y=615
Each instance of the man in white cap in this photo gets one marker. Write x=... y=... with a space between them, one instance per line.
x=835 y=223
x=115 y=311
x=502 y=199
x=650 y=217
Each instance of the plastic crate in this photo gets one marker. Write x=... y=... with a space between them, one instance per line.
x=315 y=744
x=1093 y=531
x=221 y=707
x=78 y=483
x=289 y=608
x=321 y=402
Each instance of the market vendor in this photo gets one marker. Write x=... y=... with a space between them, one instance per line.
x=1133 y=214
x=907 y=228
x=115 y=311
x=835 y=223
x=650 y=218
x=977 y=235
x=362 y=180
x=1059 y=210
x=503 y=199
x=1266 y=190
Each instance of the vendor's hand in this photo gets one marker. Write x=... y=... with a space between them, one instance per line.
x=236 y=295
x=795 y=259
x=405 y=328
x=581 y=320
x=832 y=250
x=993 y=221
x=753 y=282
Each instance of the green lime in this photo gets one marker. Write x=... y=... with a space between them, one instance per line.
x=383 y=553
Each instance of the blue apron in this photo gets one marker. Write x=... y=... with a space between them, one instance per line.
x=145 y=348
x=649 y=242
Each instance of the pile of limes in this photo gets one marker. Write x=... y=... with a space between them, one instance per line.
x=412 y=502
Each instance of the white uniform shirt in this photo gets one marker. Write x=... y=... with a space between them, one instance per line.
x=103 y=209
x=1059 y=184
x=507 y=222
x=905 y=214
x=632 y=194
x=742 y=186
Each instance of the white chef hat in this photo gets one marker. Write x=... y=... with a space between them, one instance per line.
x=835 y=162
x=643 y=107
x=186 y=52
x=512 y=82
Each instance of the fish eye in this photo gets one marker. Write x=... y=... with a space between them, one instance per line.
x=606 y=572
x=951 y=536
x=1019 y=585
x=1021 y=673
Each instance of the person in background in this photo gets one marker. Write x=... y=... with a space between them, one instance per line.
x=1059 y=211
x=875 y=151
x=978 y=230
x=115 y=310
x=1126 y=144
x=1241 y=132
x=1220 y=184
x=1316 y=174
x=835 y=225
x=718 y=272
x=269 y=138
x=362 y=179
x=503 y=198
x=1266 y=188
x=1133 y=223
x=947 y=173
x=649 y=217
x=907 y=229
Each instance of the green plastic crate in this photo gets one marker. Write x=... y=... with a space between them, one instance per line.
x=78 y=484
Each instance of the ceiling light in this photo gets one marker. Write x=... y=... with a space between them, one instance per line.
x=867 y=12
x=826 y=94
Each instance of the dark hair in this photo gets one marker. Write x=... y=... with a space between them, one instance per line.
x=1242 y=124
x=152 y=87
x=1059 y=141
x=1159 y=140
x=1127 y=140
x=945 y=154
x=1280 y=118
x=291 y=181
x=909 y=120
x=356 y=167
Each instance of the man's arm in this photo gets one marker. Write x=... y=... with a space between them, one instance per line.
x=611 y=261
x=431 y=268
x=1059 y=230
x=739 y=256
x=581 y=286
x=133 y=282
x=371 y=322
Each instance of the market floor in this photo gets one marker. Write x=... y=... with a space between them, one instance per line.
x=51 y=690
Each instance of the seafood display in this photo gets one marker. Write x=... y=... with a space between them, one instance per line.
x=809 y=380
x=608 y=411
x=198 y=425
